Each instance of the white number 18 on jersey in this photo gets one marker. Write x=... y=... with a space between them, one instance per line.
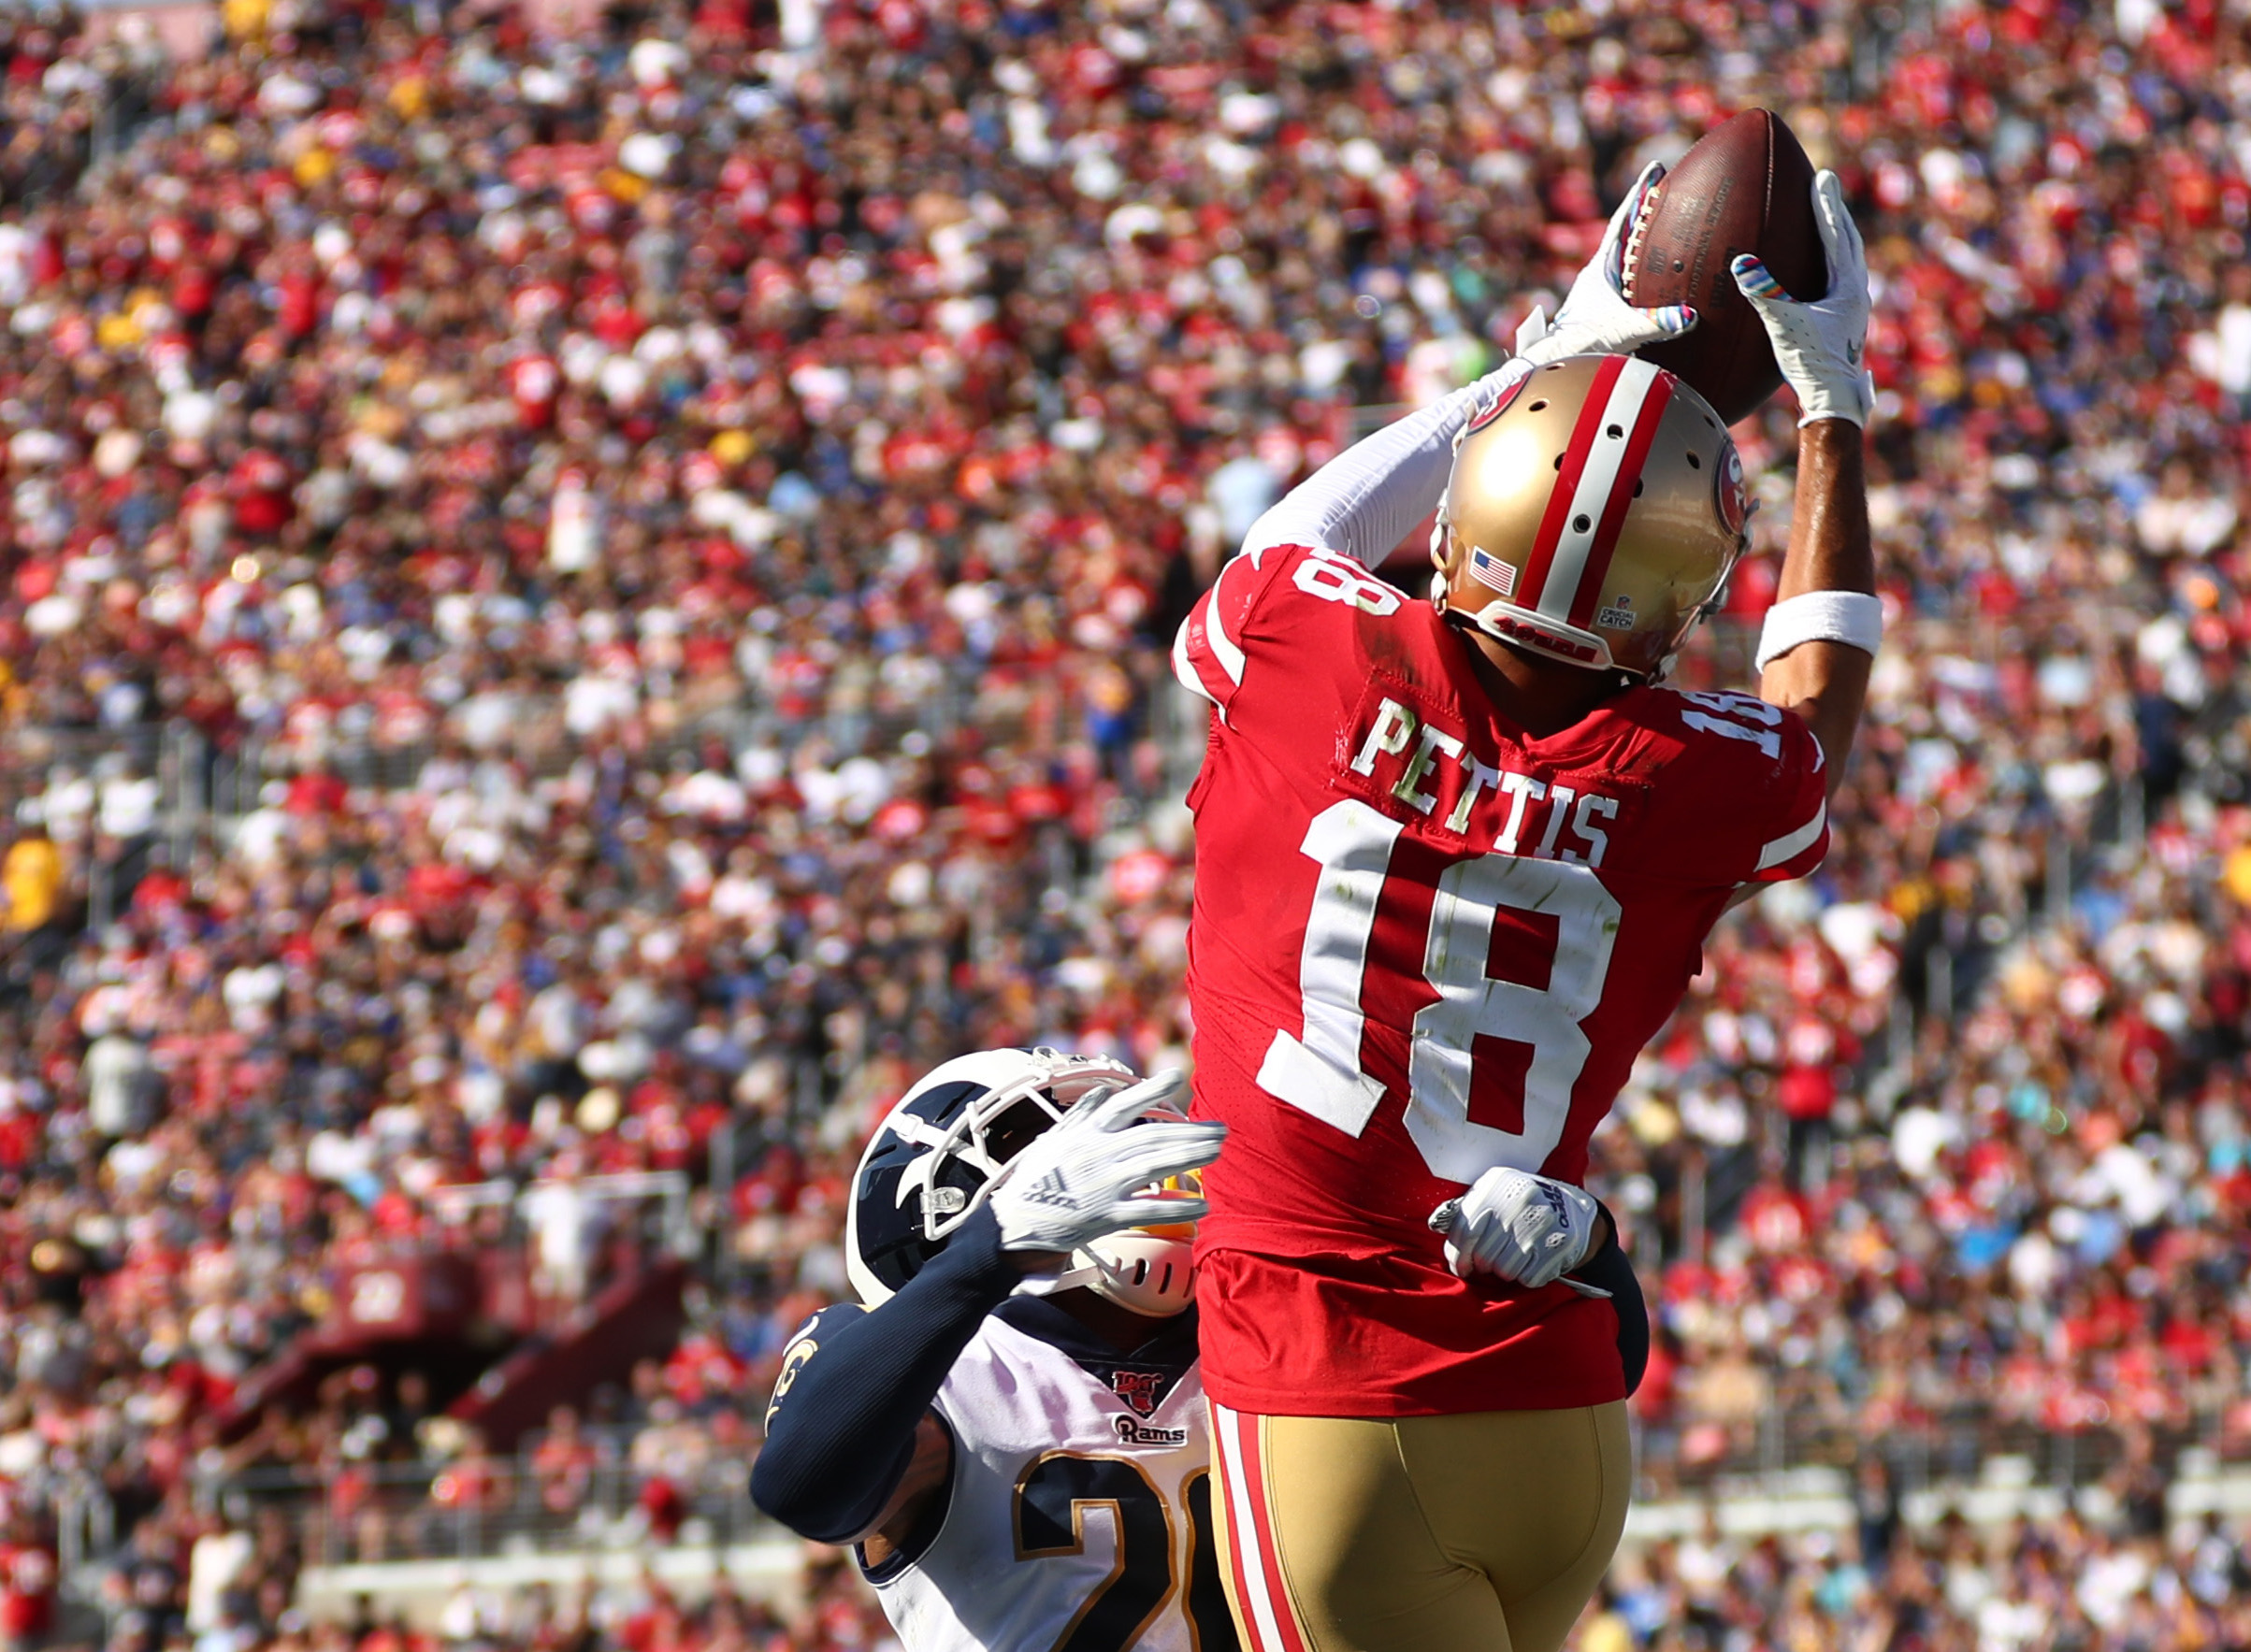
x=1320 y=1074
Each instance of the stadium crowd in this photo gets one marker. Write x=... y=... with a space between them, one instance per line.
x=669 y=531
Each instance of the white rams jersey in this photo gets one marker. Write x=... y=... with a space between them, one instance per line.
x=1078 y=1517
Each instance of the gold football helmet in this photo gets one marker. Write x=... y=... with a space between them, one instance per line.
x=1593 y=515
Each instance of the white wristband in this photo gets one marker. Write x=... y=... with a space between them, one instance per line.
x=1852 y=618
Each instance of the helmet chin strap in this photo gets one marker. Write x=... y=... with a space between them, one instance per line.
x=1084 y=1274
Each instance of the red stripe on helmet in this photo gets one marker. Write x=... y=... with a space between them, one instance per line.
x=1535 y=579
x=1637 y=443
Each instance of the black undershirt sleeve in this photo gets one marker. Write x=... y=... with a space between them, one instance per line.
x=854 y=1384
x=1610 y=1269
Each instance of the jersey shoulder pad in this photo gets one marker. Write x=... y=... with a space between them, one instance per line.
x=1264 y=601
x=1751 y=773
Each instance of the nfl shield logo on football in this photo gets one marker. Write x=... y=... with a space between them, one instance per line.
x=1489 y=569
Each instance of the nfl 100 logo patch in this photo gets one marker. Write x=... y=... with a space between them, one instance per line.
x=1140 y=1389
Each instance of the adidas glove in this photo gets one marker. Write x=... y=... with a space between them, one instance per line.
x=1595 y=319
x=1528 y=1228
x=1091 y=1172
x=1821 y=346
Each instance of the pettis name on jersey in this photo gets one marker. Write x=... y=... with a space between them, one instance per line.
x=1436 y=774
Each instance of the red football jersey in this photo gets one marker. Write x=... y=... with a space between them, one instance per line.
x=1425 y=944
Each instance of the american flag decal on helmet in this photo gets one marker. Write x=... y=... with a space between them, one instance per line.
x=1487 y=569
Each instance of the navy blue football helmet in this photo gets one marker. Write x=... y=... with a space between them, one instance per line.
x=936 y=1153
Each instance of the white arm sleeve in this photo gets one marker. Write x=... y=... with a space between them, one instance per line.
x=1370 y=497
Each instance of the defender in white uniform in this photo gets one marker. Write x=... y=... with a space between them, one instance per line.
x=1021 y=1473
x=1079 y=1513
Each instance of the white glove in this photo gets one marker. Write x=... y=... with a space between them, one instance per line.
x=1090 y=1172
x=1525 y=1228
x=1822 y=346
x=1595 y=319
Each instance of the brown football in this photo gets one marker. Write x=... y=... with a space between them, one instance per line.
x=1745 y=187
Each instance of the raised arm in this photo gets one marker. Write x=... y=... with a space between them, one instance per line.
x=1821 y=636
x=851 y=1444
x=1371 y=496
x=853 y=1447
x=1822 y=679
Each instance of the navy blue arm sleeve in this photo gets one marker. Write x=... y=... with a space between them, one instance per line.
x=854 y=1384
x=1610 y=1269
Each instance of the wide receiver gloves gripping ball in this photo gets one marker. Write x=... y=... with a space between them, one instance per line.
x=1822 y=345
x=1594 y=318
x=1091 y=1173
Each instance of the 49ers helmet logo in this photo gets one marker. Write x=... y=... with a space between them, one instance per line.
x=1495 y=408
x=1734 y=499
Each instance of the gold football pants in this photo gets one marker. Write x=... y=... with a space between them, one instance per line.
x=1486 y=1532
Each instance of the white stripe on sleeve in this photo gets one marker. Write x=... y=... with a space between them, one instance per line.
x=1790 y=845
x=1223 y=647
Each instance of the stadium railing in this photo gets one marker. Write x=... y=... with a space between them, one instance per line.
x=1791 y=1465
x=472 y=1508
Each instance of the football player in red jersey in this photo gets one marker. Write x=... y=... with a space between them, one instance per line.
x=1456 y=861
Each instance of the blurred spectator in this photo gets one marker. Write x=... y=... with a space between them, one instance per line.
x=566 y=1231
x=563 y=1464
x=32 y=875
